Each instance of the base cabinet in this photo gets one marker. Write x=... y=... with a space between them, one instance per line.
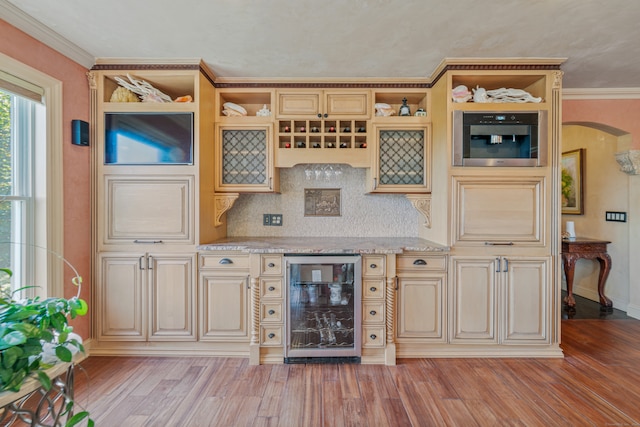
x=500 y=300
x=146 y=297
x=422 y=282
x=224 y=296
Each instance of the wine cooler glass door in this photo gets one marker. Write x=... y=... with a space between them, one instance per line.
x=323 y=306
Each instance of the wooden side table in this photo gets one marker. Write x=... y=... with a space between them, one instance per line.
x=580 y=247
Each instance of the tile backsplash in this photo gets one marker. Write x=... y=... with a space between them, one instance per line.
x=363 y=215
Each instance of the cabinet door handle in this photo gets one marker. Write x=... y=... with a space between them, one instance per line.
x=271 y=289
x=319 y=115
x=373 y=336
x=271 y=335
x=506 y=265
x=147 y=242
x=270 y=183
x=373 y=266
x=150 y=262
x=271 y=265
x=419 y=262
x=140 y=263
x=373 y=289
x=375 y=183
x=395 y=282
x=372 y=312
x=498 y=263
x=248 y=284
x=225 y=261
x=272 y=312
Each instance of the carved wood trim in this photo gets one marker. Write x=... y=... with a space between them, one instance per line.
x=422 y=203
x=629 y=161
x=222 y=203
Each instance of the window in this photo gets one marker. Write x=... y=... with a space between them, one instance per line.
x=18 y=121
x=31 y=208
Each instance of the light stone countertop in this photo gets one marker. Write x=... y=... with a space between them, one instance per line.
x=325 y=245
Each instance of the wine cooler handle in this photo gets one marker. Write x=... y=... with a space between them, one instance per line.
x=225 y=261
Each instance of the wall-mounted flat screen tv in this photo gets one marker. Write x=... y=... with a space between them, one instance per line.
x=148 y=138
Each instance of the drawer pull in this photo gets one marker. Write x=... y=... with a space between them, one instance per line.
x=373 y=312
x=271 y=335
x=373 y=336
x=271 y=312
x=271 y=289
x=419 y=262
x=373 y=266
x=225 y=261
x=373 y=289
x=271 y=265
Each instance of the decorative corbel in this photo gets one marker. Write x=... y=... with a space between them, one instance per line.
x=629 y=161
x=222 y=203
x=422 y=203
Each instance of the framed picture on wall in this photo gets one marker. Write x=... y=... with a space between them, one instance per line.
x=573 y=182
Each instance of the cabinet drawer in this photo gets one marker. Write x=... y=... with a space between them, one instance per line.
x=224 y=261
x=271 y=336
x=271 y=265
x=373 y=288
x=373 y=336
x=271 y=312
x=373 y=312
x=373 y=266
x=271 y=288
x=422 y=262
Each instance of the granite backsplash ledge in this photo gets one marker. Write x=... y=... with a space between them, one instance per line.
x=325 y=245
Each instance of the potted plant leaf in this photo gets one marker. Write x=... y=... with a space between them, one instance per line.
x=35 y=335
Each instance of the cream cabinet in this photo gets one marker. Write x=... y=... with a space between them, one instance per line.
x=146 y=297
x=244 y=159
x=401 y=159
x=422 y=284
x=500 y=300
x=223 y=293
x=298 y=103
x=374 y=276
x=147 y=209
x=499 y=210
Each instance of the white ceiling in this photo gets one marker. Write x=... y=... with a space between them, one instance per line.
x=347 y=38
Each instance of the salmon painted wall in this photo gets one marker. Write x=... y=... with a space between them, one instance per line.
x=621 y=114
x=76 y=160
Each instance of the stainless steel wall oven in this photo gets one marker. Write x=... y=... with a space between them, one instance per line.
x=499 y=138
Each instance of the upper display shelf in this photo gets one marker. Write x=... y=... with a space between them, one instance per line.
x=498 y=88
x=158 y=86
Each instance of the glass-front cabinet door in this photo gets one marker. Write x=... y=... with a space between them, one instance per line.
x=323 y=307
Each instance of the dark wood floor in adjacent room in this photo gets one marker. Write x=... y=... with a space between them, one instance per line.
x=596 y=384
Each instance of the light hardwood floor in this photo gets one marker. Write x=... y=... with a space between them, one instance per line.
x=596 y=384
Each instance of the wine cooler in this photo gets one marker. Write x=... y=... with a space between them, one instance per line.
x=323 y=308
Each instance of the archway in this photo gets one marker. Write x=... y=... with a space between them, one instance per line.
x=607 y=188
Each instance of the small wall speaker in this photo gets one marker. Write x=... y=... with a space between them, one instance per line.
x=79 y=132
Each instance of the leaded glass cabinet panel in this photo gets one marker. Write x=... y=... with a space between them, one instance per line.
x=402 y=162
x=244 y=159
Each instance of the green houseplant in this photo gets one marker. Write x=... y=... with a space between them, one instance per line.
x=35 y=335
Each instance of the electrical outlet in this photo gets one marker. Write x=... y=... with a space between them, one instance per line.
x=266 y=219
x=276 y=219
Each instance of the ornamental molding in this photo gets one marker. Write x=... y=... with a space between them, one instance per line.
x=222 y=203
x=422 y=203
x=629 y=161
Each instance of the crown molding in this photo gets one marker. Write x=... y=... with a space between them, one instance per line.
x=44 y=34
x=601 y=93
